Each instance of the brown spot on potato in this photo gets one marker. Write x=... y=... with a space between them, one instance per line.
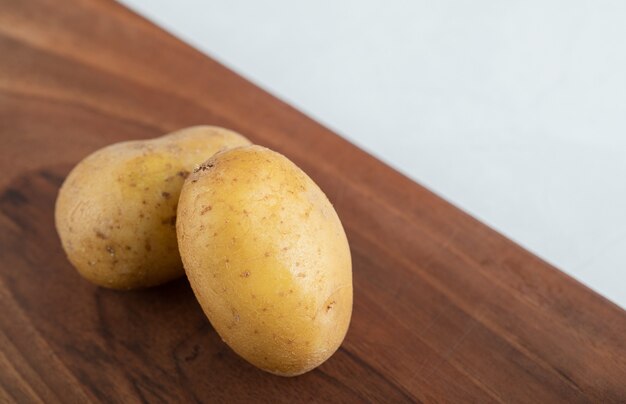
x=110 y=249
x=301 y=275
x=183 y=174
x=205 y=209
x=147 y=246
x=166 y=195
x=101 y=235
x=245 y=274
x=203 y=167
x=329 y=306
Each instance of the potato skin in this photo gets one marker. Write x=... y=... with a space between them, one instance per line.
x=116 y=211
x=267 y=258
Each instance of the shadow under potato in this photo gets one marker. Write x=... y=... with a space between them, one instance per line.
x=143 y=336
x=147 y=345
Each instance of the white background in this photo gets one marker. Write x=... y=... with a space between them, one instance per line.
x=513 y=110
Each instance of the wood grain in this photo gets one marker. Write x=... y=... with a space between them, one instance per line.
x=446 y=309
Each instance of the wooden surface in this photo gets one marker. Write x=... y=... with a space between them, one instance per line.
x=445 y=309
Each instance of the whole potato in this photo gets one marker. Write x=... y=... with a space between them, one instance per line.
x=116 y=211
x=267 y=258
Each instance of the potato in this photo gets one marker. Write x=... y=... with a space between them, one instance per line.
x=267 y=258
x=116 y=211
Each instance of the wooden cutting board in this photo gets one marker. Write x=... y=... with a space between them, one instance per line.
x=445 y=308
